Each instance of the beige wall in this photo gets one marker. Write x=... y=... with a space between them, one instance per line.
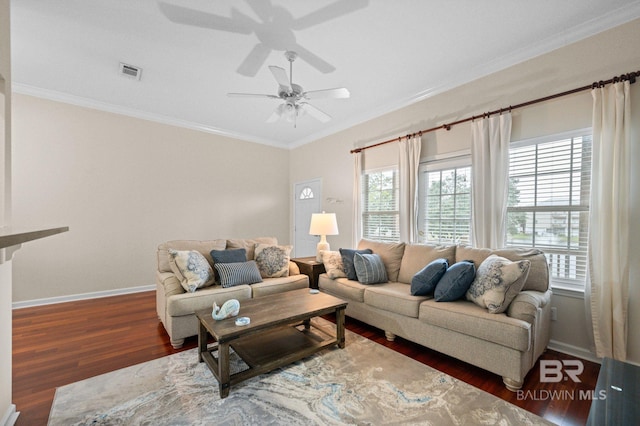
x=610 y=53
x=123 y=186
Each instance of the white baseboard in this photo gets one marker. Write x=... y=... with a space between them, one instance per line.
x=577 y=351
x=10 y=417
x=83 y=296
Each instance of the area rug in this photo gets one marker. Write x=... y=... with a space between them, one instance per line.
x=362 y=384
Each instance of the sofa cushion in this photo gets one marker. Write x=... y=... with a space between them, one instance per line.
x=279 y=285
x=343 y=288
x=333 y=266
x=391 y=254
x=250 y=244
x=455 y=282
x=369 y=268
x=417 y=256
x=273 y=260
x=188 y=303
x=347 y=261
x=497 y=282
x=204 y=247
x=191 y=268
x=470 y=319
x=233 y=274
x=538 y=278
x=394 y=297
x=425 y=280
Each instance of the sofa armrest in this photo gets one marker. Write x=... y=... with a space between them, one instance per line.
x=169 y=283
x=294 y=269
x=526 y=304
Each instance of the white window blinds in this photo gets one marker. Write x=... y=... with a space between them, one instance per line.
x=380 y=211
x=548 y=204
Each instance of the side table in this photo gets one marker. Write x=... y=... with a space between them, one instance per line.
x=310 y=267
x=617 y=394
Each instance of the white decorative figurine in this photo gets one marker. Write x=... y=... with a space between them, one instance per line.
x=230 y=308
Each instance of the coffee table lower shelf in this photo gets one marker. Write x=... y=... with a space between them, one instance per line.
x=267 y=351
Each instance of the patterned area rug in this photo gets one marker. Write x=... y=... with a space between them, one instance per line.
x=363 y=384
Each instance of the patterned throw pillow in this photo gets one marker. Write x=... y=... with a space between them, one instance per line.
x=498 y=282
x=233 y=274
x=333 y=266
x=347 y=261
x=369 y=268
x=455 y=282
x=191 y=268
x=425 y=280
x=272 y=260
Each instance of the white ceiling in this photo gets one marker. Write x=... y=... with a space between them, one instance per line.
x=389 y=54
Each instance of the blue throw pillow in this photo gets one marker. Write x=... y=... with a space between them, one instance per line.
x=369 y=268
x=229 y=256
x=424 y=281
x=455 y=282
x=233 y=274
x=347 y=261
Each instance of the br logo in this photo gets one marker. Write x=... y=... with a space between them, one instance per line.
x=554 y=371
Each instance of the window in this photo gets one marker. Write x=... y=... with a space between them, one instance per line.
x=445 y=203
x=306 y=193
x=548 y=205
x=380 y=210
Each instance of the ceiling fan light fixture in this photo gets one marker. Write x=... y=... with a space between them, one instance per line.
x=295 y=98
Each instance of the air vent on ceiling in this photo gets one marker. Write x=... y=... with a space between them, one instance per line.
x=130 y=71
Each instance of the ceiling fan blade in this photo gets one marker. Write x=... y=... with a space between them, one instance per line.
x=254 y=60
x=281 y=77
x=337 y=93
x=315 y=113
x=329 y=12
x=314 y=60
x=251 y=95
x=276 y=114
x=262 y=8
x=183 y=15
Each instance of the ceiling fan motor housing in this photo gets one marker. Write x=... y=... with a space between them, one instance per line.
x=294 y=94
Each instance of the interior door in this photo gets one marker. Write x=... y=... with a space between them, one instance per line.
x=307 y=201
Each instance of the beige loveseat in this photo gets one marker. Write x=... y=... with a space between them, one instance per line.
x=176 y=307
x=507 y=344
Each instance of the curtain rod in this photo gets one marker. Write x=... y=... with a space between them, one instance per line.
x=629 y=76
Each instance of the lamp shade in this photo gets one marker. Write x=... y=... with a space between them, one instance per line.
x=323 y=224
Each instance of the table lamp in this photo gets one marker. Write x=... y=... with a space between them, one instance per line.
x=323 y=224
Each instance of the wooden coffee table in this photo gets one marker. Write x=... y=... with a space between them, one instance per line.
x=280 y=333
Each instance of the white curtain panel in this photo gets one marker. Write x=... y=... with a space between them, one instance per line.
x=490 y=138
x=357 y=198
x=409 y=164
x=608 y=278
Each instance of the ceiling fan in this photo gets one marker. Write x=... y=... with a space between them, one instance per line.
x=295 y=98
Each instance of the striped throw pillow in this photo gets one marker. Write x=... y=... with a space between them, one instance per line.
x=238 y=273
x=369 y=268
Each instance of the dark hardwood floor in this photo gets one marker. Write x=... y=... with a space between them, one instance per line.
x=55 y=345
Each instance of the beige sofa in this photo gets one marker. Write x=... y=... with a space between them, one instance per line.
x=507 y=344
x=176 y=307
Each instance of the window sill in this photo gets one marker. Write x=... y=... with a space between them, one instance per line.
x=566 y=291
